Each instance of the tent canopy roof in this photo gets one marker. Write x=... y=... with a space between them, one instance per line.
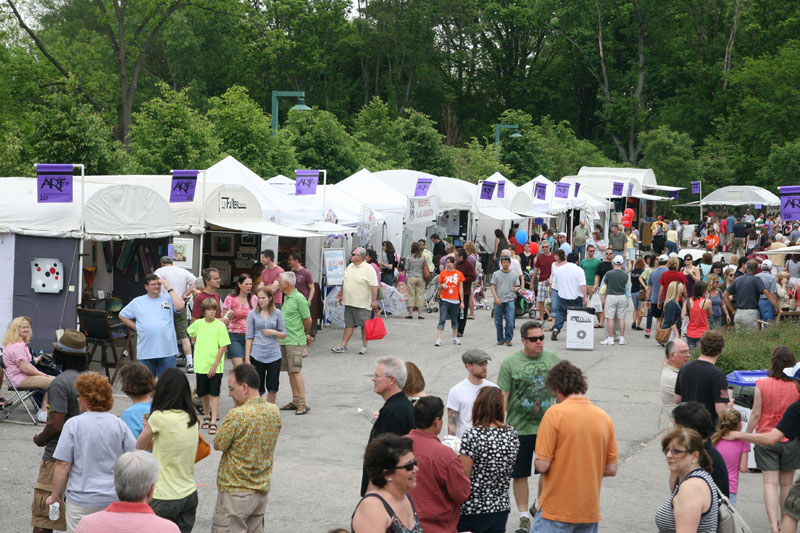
x=374 y=192
x=740 y=195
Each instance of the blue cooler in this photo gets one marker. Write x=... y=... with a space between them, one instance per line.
x=743 y=383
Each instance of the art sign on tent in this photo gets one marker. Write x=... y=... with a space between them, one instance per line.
x=306 y=182
x=54 y=183
x=184 y=185
x=790 y=203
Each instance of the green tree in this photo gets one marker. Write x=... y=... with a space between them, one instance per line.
x=782 y=166
x=671 y=156
x=476 y=161
x=424 y=145
x=169 y=134
x=375 y=125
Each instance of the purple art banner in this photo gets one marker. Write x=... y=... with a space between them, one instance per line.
x=695 y=187
x=577 y=188
x=423 y=184
x=501 y=189
x=630 y=189
x=54 y=183
x=538 y=221
x=674 y=195
x=617 y=189
x=790 y=203
x=562 y=190
x=758 y=206
x=184 y=185
x=487 y=189
x=540 y=193
x=305 y=182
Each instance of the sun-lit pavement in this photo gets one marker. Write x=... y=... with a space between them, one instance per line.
x=317 y=469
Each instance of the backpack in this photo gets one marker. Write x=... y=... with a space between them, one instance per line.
x=728 y=518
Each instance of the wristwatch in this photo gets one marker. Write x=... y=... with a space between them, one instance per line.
x=170 y=290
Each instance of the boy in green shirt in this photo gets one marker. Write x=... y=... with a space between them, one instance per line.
x=210 y=345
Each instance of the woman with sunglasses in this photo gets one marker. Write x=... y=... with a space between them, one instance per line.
x=692 y=273
x=488 y=452
x=392 y=470
x=694 y=502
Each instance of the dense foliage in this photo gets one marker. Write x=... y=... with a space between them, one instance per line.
x=694 y=89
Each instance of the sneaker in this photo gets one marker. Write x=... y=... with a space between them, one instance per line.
x=622 y=340
x=508 y=343
x=437 y=343
x=363 y=350
x=554 y=335
x=41 y=415
x=500 y=343
x=608 y=341
x=456 y=341
x=339 y=349
x=524 y=525
x=190 y=369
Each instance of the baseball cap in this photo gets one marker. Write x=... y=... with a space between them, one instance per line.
x=663 y=258
x=793 y=371
x=672 y=254
x=475 y=356
x=618 y=260
x=165 y=260
x=766 y=263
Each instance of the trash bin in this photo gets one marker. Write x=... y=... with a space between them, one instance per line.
x=580 y=328
x=742 y=386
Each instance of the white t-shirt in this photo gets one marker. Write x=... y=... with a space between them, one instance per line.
x=569 y=279
x=553 y=270
x=178 y=278
x=461 y=398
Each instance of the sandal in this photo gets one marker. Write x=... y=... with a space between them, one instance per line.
x=212 y=428
x=289 y=407
x=206 y=423
x=303 y=409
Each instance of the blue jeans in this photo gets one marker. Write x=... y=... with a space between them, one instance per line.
x=581 y=251
x=449 y=310
x=561 y=315
x=555 y=302
x=543 y=525
x=692 y=342
x=766 y=310
x=158 y=365
x=506 y=309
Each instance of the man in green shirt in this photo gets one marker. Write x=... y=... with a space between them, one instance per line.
x=297 y=320
x=522 y=381
x=579 y=235
x=589 y=265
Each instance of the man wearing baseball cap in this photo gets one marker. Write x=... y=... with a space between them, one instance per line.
x=765 y=308
x=62 y=403
x=615 y=300
x=789 y=428
x=462 y=395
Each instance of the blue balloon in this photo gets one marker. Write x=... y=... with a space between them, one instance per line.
x=522 y=236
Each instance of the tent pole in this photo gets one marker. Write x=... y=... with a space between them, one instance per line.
x=82 y=235
x=202 y=220
x=701 y=200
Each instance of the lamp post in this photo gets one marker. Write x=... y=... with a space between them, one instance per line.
x=301 y=106
x=498 y=127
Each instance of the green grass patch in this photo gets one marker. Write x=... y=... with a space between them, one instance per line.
x=750 y=350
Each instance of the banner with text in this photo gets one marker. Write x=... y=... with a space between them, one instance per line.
x=616 y=190
x=790 y=203
x=421 y=210
x=577 y=188
x=54 y=183
x=184 y=185
x=305 y=182
x=562 y=190
x=540 y=193
x=695 y=187
x=423 y=184
x=674 y=195
x=487 y=189
x=630 y=189
x=501 y=189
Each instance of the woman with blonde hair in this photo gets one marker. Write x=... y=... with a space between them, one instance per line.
x=17 y=360
x=718 y=309
x=415 y=382
x=672 y=310
x=416 y=266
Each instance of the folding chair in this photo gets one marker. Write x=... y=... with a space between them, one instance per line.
x=19 y=396
x=101 y=333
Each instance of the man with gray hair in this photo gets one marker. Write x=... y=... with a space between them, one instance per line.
x=297 y=320
x=359 y=295
x=676 y=354
x=397 y=414
x=135 y=475
x=747 y=289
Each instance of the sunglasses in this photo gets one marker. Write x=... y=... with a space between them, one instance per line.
x=534 y=339
x=410 y=466
x=676 y=452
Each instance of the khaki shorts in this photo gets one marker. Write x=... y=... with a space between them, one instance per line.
x=292 y=358
x=180 y=321
x=40 y=513
x=792 y=504
x=354 y=317
x=783 y=456
x=237 y=512
x=616 y=305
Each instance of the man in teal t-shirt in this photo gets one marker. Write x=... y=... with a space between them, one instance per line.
x=297 y=319
x=522 y=381
x=589 y=266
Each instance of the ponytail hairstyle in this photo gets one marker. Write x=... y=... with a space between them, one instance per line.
x=692 y=442
x=729 y=420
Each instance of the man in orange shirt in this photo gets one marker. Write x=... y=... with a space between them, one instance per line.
x=575 y=449
x=712 y=240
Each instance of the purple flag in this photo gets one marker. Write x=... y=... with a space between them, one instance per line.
x=487 y=189
x=423 y=184
x=54 y=183
x=790 y=203
x=674 y=195
x=577 y=188
x=630 y=188
x=562 y=190
x=306 y=182
x=538 y=221
x=695 y=187
x=617 y=189
x=758 y=206
x=501 y=189
x=184 y=184
x=541 y=191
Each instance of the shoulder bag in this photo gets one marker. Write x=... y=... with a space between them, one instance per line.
x=662 y=335
x=426 y=272
x=728 y=518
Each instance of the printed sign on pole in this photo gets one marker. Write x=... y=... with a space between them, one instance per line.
x=630 y=188
x=695 y=187
x=501 y=189
x=577 y=188
x=674 y=195
x=423 y=184
x=790 y=203
x=184 y=184
x=53 y=183
x=562 y=190
x=541 y=191
x=305 y=182
x=617 y=189
x=538 y=221
x=487 y=189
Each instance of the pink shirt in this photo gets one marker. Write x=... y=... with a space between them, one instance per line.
x=731 y=451
x=776 y=396
x=238 y=324
x=13 y=354
x=122 y=517
x=270 y=276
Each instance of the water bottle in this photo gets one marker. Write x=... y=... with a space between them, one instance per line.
x=54 y=512
x=461 y=314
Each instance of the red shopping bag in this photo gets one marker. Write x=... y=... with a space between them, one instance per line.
x=375 y=329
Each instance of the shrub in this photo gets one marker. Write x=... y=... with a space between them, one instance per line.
x=750 y=350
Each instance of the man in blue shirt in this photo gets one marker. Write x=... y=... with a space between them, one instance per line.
x=151 y=317
x=652 y=294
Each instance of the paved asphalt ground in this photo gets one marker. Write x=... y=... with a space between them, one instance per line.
x=317 y=471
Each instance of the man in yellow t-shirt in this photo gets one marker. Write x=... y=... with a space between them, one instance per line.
x=575 y=449
x=359 y=295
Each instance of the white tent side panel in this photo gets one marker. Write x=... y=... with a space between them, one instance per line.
x=21 y=213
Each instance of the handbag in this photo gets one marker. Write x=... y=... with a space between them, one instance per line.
x=662 y=335
x=426 y=272
x=728 y=518
x=375 y=329
x=203 y=448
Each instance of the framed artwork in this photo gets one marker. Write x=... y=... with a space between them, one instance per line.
x=224 y=272
x=248 y=239
x=222 y=245
x=182 y=252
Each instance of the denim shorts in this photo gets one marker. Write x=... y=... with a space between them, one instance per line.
x=236 y=347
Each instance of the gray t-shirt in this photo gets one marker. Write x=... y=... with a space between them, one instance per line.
x=504 y=283
x=414 y=266
x=62 y=398
x=769 y=282
x=617 y=281
x=618 y=242
x=92 y=442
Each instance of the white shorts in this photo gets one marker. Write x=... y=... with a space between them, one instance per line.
x=616 y=306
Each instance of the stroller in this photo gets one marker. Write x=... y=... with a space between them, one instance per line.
x=479 y=295
x=431 y=304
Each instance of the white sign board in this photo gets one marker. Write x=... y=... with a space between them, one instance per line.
x=421 y=210
x=580 y=330
x=334 y=266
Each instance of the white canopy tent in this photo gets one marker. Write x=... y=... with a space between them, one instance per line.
x=286 y=185
x=375 y=194
x=737 y=195
x=447 y=193
x=787 y=250
x=599 y=181
x=21 y=214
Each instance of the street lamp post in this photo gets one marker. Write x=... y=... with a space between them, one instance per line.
x=301 y=106
x=498 y=127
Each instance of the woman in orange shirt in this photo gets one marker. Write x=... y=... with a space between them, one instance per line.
x=451 y=299
x=712 y=240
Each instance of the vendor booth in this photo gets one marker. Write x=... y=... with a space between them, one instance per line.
x=738 y=195
x=375 y=195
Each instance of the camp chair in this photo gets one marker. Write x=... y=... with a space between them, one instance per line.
x=19 y=396
x=101 y=333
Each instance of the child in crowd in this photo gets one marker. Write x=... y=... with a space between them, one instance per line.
x=211 y=343
x=733 y=451
x=400 y=283
x=138 y=385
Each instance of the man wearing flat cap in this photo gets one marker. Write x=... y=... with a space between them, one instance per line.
x=462 y=396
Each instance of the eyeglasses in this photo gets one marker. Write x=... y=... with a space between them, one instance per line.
x=376 y=376
x=410 y=466
x=236 y=387
x=676 y=452
x=534 y=339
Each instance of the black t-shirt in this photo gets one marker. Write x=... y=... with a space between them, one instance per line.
x=738 y=230
x=636 y=284
x=747 y=290
x=701 y=381
x=603 y=268
x=790 y=421
x=396 y=416
x=719 y=470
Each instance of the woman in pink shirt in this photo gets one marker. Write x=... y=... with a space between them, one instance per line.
x=236 y=307
x=17 y=360
x=778 y=462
